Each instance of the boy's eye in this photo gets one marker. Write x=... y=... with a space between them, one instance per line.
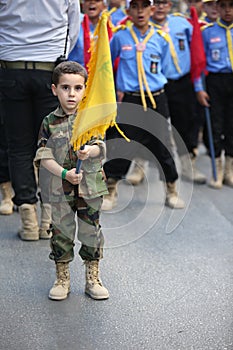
x=79 y=87
x=135 y=5
x=65 y=87
x=224 y=5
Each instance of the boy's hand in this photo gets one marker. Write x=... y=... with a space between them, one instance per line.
x=203 y=98
x=74 y=178
x=88 y=151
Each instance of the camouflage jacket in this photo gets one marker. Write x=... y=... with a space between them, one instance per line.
x=54 y=143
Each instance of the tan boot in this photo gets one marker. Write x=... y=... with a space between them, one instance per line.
x=61 y=287
x=44 y=232
x=219 y=171
x=110 y=200
x=228 y=174
x=172 y=199
x=30 y=228
x=189 y=170
x=6 y=206
x=137 y=171
x=94 y=287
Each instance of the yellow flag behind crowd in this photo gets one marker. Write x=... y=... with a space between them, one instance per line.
x=98 y=109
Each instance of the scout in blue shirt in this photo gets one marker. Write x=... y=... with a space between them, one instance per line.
x=210 y=10
x=218 y=38
x=140 y=81
x=176 y=67
x=93 y=9
x=117 y=11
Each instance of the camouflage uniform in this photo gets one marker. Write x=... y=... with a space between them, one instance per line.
x=67 y=199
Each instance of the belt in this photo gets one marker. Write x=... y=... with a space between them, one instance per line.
x=137 y=93
x=49 y=66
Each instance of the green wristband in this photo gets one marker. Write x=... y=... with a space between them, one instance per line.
x=63 y=174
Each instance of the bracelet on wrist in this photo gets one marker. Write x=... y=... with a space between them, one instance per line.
x=63 y=174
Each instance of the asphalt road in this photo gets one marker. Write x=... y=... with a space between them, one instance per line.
x=169 y=274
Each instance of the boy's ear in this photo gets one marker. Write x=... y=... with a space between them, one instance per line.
x=54 y=89
x=152 y=10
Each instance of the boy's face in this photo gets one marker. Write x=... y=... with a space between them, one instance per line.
x=225 y=9
x=140 y=12
x=93 y=8
x=162 y=8
x=210 y=8
x=69 y=91
x=115 y=3
x=197 y=4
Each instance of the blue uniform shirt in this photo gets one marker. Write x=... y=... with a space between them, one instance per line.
x=117 y=16
x=77 y=54
x=180 y=31
x=123 y=45
x=216 y=50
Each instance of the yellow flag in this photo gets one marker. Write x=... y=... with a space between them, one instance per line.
x=98 y=109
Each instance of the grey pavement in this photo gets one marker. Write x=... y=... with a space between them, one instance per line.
x=169 y=274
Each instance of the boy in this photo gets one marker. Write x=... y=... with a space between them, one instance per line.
x=141 y=39
x=71 y=192
x=218 y=37
x=92 y=10
x=210 y=10
x=176 y=67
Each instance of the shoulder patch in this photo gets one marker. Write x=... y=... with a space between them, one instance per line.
x=155 y=25
x=175 y=14
x=118 y=28
x=207 y=26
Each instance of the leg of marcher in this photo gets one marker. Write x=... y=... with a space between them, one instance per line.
x=91 y=251
x=61 y=287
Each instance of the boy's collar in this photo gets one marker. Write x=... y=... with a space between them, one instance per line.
x=60 y=113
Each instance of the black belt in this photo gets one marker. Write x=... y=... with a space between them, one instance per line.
x=48 y=66
x=138 y=93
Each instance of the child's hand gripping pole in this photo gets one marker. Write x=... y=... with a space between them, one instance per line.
x=79 y=162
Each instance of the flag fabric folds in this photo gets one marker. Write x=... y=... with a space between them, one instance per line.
x=98 y=109
x=198 y=58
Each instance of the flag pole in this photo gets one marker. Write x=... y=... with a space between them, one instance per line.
x=211 y=144
x=210 y=135
x=79 y=162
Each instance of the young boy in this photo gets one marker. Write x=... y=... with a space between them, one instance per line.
x=141 y=48
x=92 y=10
x=218 y=38
x=210 y=10
x=70 y=192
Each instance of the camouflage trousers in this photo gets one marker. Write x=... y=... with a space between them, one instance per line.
x=64 y=229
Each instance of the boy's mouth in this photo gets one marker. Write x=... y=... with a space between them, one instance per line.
x=92 y=8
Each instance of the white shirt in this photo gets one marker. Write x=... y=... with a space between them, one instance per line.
x=35 y=30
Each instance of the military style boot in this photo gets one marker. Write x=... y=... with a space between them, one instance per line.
x=228 y=173
x=110 y=200
x=219 y=170
x=61 y=287
x=44 y=232
x=189 y=170
x=94 y=287
x=6 y=206
x=30 y=228
x=137 y=173
x=172 y=199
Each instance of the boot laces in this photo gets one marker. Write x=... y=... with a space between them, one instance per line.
x=62 y=275
x=93 y=272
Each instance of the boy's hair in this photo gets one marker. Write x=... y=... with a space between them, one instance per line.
x=68 y=67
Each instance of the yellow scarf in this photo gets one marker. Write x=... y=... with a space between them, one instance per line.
x=167 y=37
x=141 y=72
x=229 y=39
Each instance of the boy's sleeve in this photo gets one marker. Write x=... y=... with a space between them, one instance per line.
x=43 y=152
x=114 y=47
x=102 y=147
